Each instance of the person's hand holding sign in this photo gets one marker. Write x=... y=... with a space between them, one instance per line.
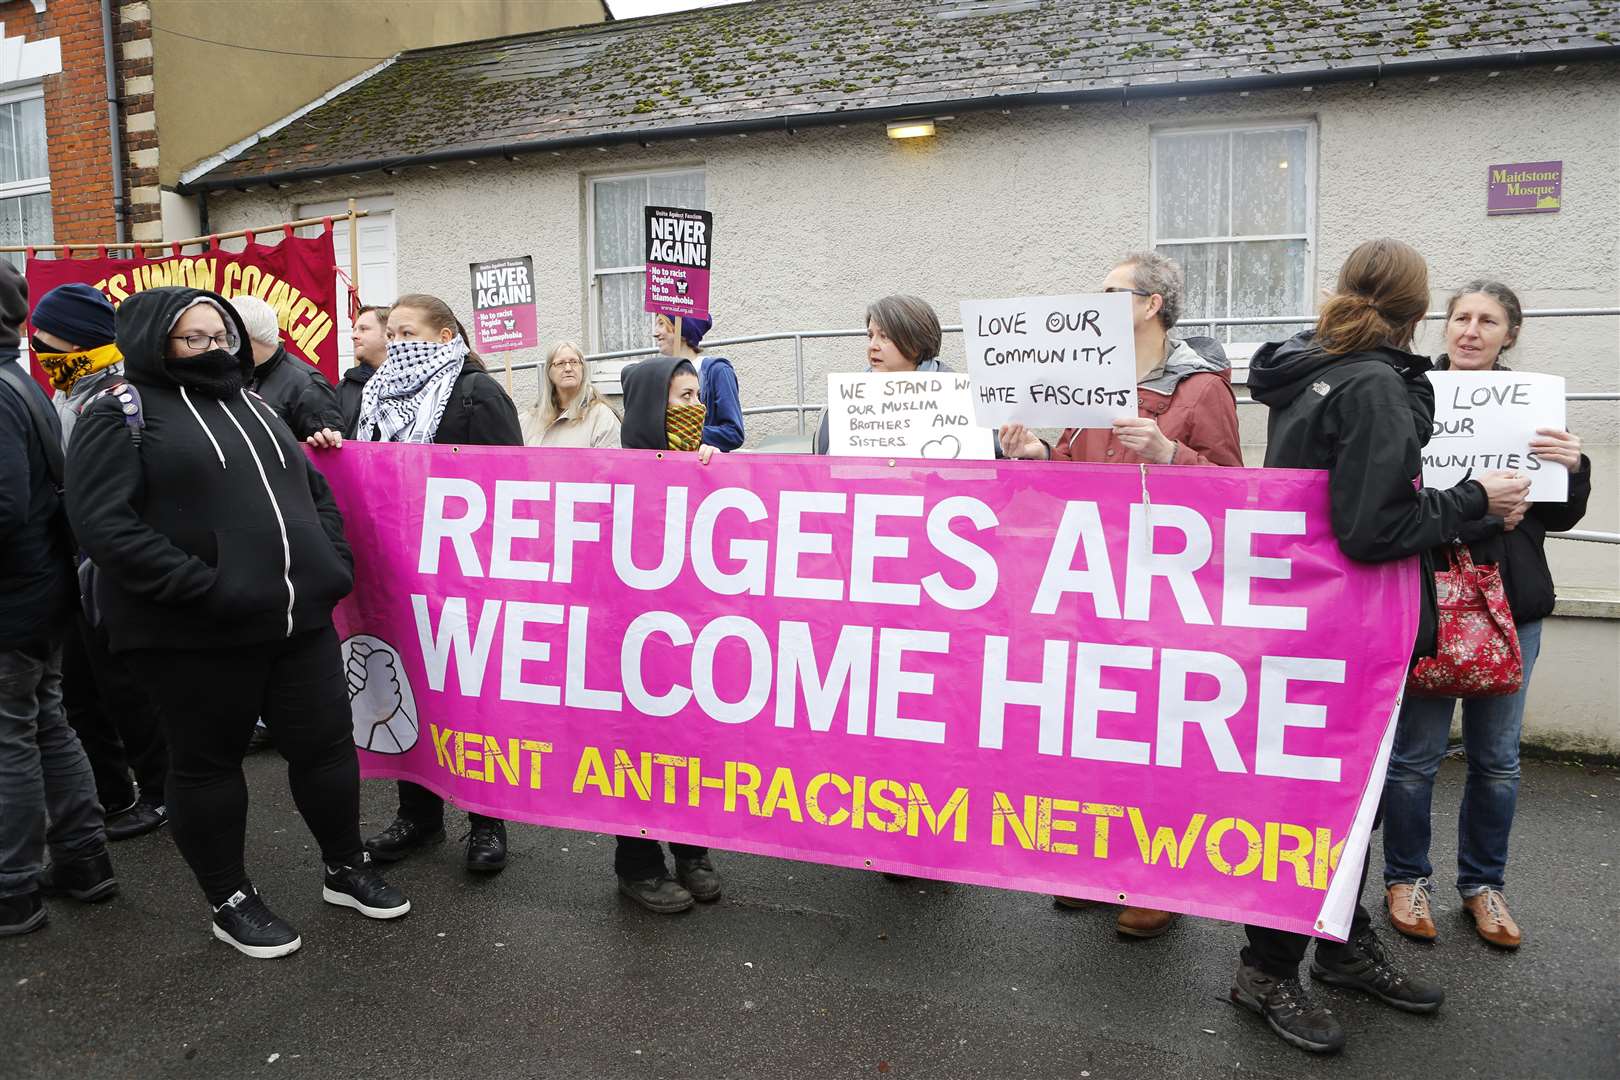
x=1507 y=492
x=1560 y=447
x=1017 y=441
x=1141 y=436
x=325 y=439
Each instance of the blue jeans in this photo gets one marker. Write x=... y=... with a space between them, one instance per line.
x=47 y=791
x=1491 y=728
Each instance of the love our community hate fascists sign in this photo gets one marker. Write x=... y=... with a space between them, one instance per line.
x=1051 y=361
x=959 y=670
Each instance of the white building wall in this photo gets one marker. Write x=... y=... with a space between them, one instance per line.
x=811 y=226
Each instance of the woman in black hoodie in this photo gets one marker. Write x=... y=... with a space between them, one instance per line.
x=1349 y=398
x=662 y=412
x=221 y=556
x=432 y=388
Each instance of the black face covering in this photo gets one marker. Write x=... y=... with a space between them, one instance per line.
x=216 y=373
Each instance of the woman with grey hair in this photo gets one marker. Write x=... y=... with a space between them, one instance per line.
x=570 y=411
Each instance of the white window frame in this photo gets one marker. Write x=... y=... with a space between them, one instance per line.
x=1309 y=125
x=38 y=185
x=593 y=273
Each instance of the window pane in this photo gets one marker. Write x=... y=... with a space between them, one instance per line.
x=1268 y=278
x=622 y=323
x=30 y=127
x=684 y=190
x=8 y=143
x=1192 y=184
x=1268 y=183
x=1204 y=268
x=618 y=224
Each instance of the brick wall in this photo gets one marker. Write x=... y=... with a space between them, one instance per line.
x=75 y=116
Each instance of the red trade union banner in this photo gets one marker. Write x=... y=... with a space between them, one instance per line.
x=294 y=276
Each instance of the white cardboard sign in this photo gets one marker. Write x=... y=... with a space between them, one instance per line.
x=1051 y=361
x=1484 y=420
x=923 y=414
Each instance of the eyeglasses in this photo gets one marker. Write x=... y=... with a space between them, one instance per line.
x=567 y=364
x=199 y=342
x=1133 y=292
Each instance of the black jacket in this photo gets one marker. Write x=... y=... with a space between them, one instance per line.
x=300 y=395
x=1364 y=417
x=349 y=389
x=646 y=399
x=215 y=531
x=479 y=413
x=36 y=557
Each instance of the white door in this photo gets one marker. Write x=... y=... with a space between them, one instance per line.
x=378 y=281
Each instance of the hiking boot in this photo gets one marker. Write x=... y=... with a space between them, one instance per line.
x=402 y=837
x=90 y=880
x=1491 y=919
x=246 y=924
x=140 y=818
x=1141 y=922
x=1288 y=1010
x=699 y=877
x=1364 y=965
x=662 y=895
x=22 y=914
x=361 y=887
x=1409 y=909
x=486 y=847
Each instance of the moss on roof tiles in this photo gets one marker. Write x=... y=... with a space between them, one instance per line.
x=762 y=58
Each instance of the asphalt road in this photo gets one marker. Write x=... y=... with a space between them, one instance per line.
x=800 y=971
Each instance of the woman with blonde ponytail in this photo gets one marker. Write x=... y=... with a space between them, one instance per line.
x=1348 y=398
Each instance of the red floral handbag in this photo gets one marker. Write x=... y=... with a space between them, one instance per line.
x=1478 y=646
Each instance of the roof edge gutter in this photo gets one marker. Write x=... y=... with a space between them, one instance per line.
x=1375 y=72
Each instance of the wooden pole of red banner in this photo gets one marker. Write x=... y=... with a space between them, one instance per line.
x=169 y=244
x=354 y=250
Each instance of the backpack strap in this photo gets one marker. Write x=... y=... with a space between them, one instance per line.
x=45 y=423
x=129 y=403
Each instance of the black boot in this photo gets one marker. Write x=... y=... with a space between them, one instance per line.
x=661 y=895
x=141 y=818
x=22 y=914
x=1364 y=965
x=90 y=880
x=486 y=846
x=402 y=837
x=1288 y=1010
x=698 y=877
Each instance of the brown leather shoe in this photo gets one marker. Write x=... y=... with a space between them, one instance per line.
x=1143 y=922
x=1491 y=919
x=1078 y=903
x=1409 y=909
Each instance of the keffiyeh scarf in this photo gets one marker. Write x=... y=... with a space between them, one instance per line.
x=405 y=399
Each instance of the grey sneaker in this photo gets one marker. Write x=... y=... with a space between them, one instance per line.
x=1288 y=1010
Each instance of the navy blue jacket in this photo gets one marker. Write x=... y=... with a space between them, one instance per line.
x=722 y=407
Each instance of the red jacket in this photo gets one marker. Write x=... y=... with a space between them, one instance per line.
x=1200 y=415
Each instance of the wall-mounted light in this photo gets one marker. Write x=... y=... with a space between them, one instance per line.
x=911 y=129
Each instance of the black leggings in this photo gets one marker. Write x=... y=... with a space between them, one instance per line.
x=209 y=700
x=424 y=809
x=114 y=718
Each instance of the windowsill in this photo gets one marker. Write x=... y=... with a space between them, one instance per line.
x=1588 y=604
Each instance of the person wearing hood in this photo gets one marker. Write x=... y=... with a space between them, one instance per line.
x=47 y=791
x=221 y=555
x=298 y=393
x=1349 y=398
x=74 y=343
x=717 y=382
x=370 y=338
x=1483 y=320
x=1186 y=415
x=1186 y=411
x=432 y=388
x=662 y=412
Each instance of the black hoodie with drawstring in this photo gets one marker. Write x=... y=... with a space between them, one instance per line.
x=1364 y=417
x=646 y=400
x=214 y=531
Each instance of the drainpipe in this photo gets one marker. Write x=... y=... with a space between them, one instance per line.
x=113 y=139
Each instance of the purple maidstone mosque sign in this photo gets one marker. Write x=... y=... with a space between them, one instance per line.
x=1527 y=187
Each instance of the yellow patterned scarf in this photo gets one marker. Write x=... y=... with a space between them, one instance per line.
x=65 y=369
x=683 y=426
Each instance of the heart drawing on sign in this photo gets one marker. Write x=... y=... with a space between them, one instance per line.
x=946 y=446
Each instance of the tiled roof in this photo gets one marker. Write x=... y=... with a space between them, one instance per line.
x=798 y=62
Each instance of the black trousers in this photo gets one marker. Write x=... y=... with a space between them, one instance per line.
x=637 y=858
x=115 y=719
x=209 y=700
x=422 y=807
x=1279 y=953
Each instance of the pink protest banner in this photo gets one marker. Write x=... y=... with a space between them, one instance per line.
x=1166 y=688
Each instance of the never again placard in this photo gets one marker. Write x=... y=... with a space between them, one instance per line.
x=925 y=414
x=1484 y=420
x=1053 y=361
x=679 y=251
